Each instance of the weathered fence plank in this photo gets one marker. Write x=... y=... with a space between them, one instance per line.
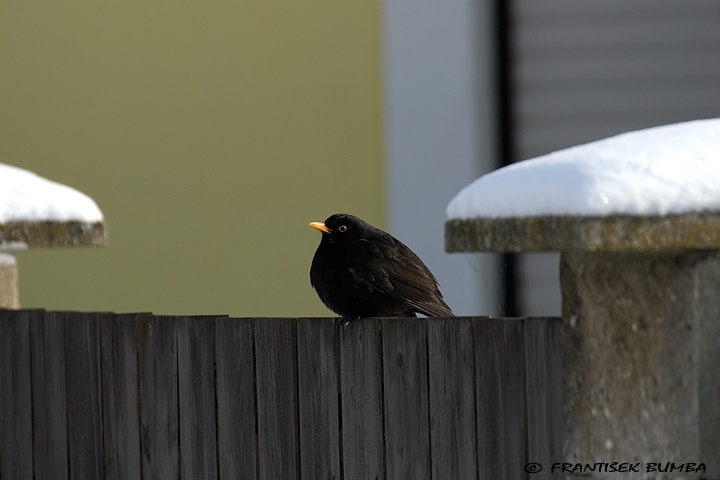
x=16 y=445
x=84 y=400
x=99 y=395
x=317 y=360
x=196 y=394
x=277 y=398
x=500 y=394
x=452 y=399
x=120 y=416
x=406 y=398
x=49 y=404
x=158 y=381
x=363 y=439
x=235 y=386
x=544 y=397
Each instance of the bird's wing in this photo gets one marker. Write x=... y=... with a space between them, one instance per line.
x=397 y=271
x=420 y=291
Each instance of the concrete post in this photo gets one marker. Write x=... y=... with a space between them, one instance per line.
x=642 y=364
x=9 y=296
x=46 y=234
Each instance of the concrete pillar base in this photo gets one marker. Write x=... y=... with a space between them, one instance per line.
x=9 y=293
x=641 y=350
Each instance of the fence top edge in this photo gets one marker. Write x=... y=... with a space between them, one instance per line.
x=110 y=314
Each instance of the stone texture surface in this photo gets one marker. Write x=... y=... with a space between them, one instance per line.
x=51 y=234
x=565 y=233
x=641 y=358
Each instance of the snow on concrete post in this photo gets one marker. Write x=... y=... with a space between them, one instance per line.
x=637 y=221
x=35 y=212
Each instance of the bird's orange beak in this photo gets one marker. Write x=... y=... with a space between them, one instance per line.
x=320 y=226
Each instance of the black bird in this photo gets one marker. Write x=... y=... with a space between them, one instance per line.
x=361 y=271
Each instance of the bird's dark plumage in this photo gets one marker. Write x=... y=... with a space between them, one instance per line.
x=361 y=271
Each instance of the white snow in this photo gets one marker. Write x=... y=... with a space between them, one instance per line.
x=663 y=170
x=25 y=196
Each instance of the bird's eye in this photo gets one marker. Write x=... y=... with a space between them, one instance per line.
x=342 y=228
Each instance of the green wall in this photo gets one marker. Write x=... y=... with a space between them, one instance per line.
x=210 y=134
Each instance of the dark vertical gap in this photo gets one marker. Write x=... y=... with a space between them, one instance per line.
x=98 y=319
x=510 y=283
x=526 y=387
x=177 y=390
x=31 y=332
x=257 y=398
x=426 y=321
x=217 y=409
x=506 y=133
x=297 y=399
x=139 y=352
x=382 y=397
x=98 y=355
x=98 y=350
x=339 y=335
x=504 y=83
x=65 y=323
x=474 y=335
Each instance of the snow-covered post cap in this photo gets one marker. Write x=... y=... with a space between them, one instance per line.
x=636 y=219
x=36 y=212
x=654 y=189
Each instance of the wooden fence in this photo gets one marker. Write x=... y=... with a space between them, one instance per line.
x=137 y=396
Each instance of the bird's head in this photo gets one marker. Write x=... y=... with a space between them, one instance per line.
x=342 y=227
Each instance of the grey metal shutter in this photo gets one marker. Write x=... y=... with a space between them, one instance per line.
x=584 y=70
